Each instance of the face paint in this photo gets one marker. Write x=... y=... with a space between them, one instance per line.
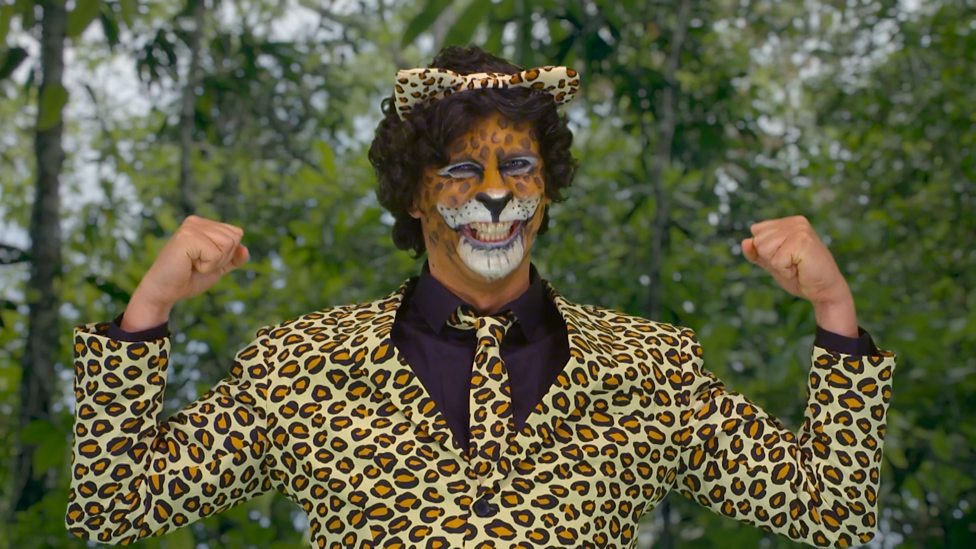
x=480 y=212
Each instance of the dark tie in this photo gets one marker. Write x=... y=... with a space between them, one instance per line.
x=490 y=397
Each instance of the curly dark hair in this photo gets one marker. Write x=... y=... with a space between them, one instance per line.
x=402 y=149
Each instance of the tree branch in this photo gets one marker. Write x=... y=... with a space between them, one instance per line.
x=662 y=158
x=188 y=110
x=11 y=254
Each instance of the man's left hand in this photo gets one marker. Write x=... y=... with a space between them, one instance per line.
x=790 y=250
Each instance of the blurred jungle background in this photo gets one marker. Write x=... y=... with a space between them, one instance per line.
x=120 y=117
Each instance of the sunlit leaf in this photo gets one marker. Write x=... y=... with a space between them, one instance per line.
x=81 y=16
x=462 y=33
x=52 y=101
x=423 y=20
x=327 y=160
x=128 y=10
x=6 y=14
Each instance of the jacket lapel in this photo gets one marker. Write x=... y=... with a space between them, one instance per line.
x=569 y=396
x=395 y=381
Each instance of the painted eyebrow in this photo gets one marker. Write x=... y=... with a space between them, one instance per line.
x=520 y=153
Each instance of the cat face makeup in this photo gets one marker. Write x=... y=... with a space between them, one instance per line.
x=481 y=211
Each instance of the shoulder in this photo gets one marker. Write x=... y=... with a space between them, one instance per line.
x=332 y=321
x=623 y=326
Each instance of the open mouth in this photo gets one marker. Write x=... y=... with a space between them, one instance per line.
x=491 y=235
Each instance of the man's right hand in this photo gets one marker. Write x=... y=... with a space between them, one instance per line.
x=196 y=256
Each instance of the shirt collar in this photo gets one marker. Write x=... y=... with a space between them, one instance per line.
x=435 y=303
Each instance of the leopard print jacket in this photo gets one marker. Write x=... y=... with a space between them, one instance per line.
x=323 y=409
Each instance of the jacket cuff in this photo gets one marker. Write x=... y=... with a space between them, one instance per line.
x=116 y=332
x=862 y=345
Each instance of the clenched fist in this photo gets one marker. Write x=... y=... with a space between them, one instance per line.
x=195 y=257
x=790 y=250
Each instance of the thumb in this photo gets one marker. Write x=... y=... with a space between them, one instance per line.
x=749 y=250
x=241 y=255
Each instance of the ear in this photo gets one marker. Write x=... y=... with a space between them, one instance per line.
x=414 y=211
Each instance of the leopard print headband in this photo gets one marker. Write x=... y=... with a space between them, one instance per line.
x=418 y=86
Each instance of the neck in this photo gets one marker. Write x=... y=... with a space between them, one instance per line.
x=487 y=296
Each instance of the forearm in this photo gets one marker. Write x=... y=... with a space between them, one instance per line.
x=143 y=313
x=838 y=314
x=117 y=404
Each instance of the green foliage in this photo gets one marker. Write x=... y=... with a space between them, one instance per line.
x=10 y=59
x=422 y=21
x=470 y=19
x=6 y=14
x=84 y=12
x=51 y=104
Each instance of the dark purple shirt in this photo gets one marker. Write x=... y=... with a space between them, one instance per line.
x=535 y=348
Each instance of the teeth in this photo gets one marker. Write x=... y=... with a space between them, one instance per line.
x=491 y=232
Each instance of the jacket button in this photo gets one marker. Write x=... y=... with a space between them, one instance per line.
x=484 y=508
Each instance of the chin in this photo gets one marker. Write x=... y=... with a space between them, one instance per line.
x=492 y=261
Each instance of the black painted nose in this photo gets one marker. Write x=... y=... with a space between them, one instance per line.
x=494 y=205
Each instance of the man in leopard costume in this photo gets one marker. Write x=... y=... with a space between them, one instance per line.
x=474 y=406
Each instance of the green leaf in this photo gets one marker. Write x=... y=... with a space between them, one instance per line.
x=463 y=30
x=110 y=26
x=282 y=545
x=84 y=13
x=494 y=41
x=167 y=221
x=25 y=8
x=327 y=160
x=941 y=445
x=6 y=14
x=49 y=454
x=10 y=60
x=896 y=456
x=52 y=102
x=37 y=431
x=181 y=537
x=128 y=10
x=423 y=20
x=29 y=81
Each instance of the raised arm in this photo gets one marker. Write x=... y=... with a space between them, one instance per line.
x=135 y=474
x=820 y=485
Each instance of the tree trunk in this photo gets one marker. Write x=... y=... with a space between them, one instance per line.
x=39 y=382
x=187 y=184
x=667 y=99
